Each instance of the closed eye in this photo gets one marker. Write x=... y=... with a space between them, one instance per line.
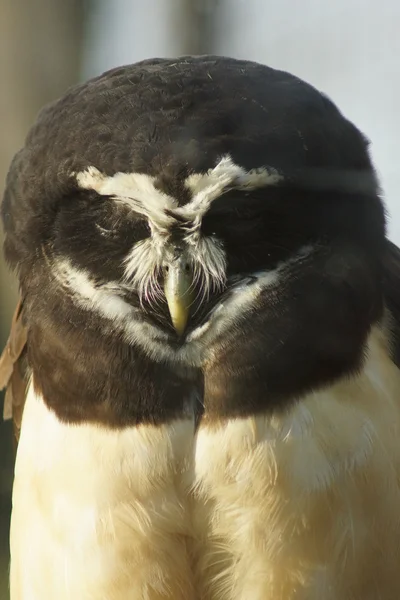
x=231 y=224
x=114 y=223
x=106 y=232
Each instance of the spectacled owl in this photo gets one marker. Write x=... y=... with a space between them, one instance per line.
x=203 y=367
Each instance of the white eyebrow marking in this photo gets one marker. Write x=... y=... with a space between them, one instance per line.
x=225 y=176
x=138 y=190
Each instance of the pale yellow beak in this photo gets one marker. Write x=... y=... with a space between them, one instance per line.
x=178 y=290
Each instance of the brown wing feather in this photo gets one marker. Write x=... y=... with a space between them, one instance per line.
x=14 y=370
x=391 y=290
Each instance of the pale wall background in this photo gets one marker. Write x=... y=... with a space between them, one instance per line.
x=350 y=49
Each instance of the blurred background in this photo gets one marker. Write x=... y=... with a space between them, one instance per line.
x=349 y=49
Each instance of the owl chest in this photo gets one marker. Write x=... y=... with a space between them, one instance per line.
x=285 y=508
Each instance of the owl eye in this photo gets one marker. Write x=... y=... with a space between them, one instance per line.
x=105 y=231
x=122 y=224
x=142 y=229
x=231 y=223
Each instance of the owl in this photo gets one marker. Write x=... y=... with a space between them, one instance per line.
x=203 y=367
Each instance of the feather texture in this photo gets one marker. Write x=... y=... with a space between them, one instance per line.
x=304 y=505
x=256 y=456
x=301 y=505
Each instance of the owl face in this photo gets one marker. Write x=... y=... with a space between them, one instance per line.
x=206 y=213
x=175 y=255
x=121 y=243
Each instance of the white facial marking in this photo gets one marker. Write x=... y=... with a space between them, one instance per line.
x=205 y=255
x=106 y=298
x=138 y=191
x=242 y=300
x=207 y=187
x=107 y=301
x=142 y=268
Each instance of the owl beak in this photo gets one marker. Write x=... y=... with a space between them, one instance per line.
x=178 y=290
